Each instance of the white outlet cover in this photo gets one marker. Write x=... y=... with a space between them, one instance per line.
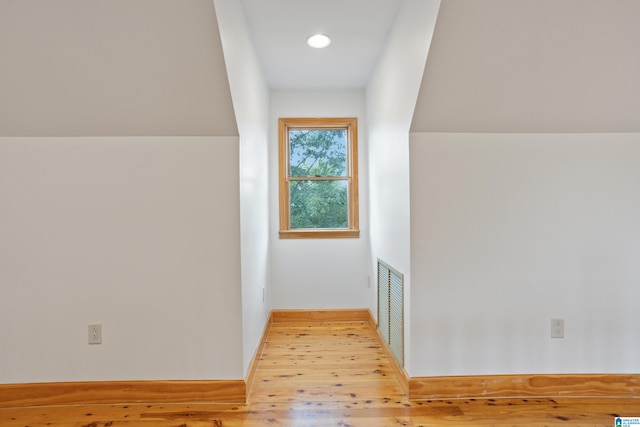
x=557 y=328
x=95 y=333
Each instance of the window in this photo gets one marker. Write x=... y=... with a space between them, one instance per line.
x=318 y=178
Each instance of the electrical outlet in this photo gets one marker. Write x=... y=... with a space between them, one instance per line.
x=95 y=333
x=557 y=328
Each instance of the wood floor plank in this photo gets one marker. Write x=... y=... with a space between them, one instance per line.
x=357 y=372
x=330 y=374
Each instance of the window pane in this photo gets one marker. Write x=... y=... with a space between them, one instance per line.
x=319 y=204
x=318 y=152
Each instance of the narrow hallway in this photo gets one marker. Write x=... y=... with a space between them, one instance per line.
x=326 y=374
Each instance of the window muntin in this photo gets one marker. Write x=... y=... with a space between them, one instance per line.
x=318 y=178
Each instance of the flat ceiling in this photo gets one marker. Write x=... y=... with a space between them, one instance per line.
x=358 y=28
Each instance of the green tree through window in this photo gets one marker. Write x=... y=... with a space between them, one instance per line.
x=318 y=178
x=318 y=153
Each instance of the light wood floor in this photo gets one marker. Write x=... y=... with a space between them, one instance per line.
x=330 y=374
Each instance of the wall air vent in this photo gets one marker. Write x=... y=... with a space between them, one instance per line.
x=391 y=309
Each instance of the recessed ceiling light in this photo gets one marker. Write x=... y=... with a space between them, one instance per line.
x=319 y=41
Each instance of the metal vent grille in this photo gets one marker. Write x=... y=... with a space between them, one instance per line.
x=391 y=309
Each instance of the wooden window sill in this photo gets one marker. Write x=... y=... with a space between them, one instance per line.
x=319 y=234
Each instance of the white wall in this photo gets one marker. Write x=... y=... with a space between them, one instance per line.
x=139 y=234
x=510 y=230
x=528 y=209
x=319 y=273
x=251 y=104
x=390 y=100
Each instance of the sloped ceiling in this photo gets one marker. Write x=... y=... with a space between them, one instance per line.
x=532 y=66
x=112 y=68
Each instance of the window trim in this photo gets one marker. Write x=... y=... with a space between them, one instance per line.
x=351 y=125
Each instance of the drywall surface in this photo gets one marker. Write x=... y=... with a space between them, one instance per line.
x=112 y=68
x=511 y=230
x=319 y=273
x=390 y=99
x=250 y=96
x=141 y=235
x=532 y=66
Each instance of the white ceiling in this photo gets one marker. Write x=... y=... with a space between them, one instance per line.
x=358 y=29
x=112 y=68
x=492 y=69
